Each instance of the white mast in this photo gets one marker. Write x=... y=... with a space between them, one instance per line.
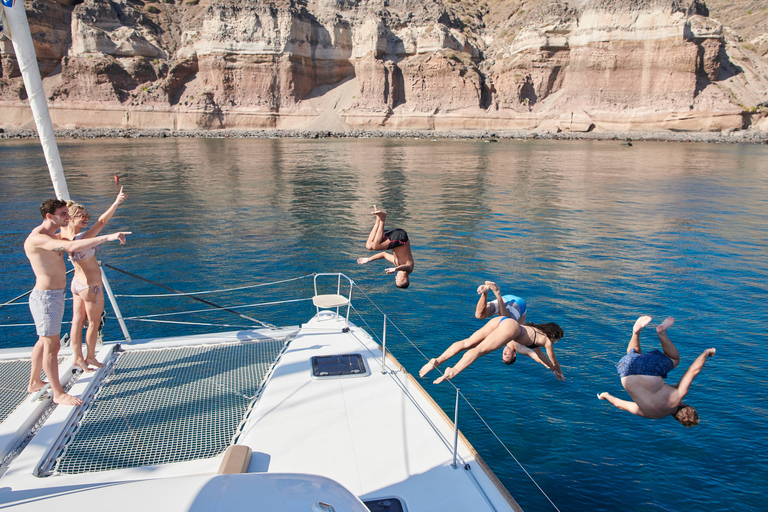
x=16 y=27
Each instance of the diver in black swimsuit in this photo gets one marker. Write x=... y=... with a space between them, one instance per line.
x=395 y=240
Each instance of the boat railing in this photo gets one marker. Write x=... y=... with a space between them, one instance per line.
x=333 y=300
x=163 y=314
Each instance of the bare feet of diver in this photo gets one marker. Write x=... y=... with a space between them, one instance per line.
x=380 y=214
x=641 y=322
x=666 y=324
x=447 y=375
x=431 y=365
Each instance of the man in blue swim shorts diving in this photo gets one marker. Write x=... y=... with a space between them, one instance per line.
x=395 y=240
x=642 y=376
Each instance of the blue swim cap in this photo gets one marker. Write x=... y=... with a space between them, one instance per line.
x=514 y=299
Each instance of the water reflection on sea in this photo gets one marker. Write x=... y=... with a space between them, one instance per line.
x=592 y=234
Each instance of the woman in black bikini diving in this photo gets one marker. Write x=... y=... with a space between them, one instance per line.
x=501 y=331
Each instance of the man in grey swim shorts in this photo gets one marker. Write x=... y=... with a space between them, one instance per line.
x=47 y=307
x=642 y=375
x=46 y=302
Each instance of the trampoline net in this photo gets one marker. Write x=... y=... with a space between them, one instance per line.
x=14 y=378
x=169 y=405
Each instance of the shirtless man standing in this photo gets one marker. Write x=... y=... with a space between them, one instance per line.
x=46 y=302
x=642 y=375
x=397 y=241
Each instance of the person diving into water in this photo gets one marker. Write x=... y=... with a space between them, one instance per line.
x=515 y=306
x=502 y=331
x=395 y=240
x=642 y=376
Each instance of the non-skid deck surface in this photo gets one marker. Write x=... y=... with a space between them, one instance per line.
x=169 y=405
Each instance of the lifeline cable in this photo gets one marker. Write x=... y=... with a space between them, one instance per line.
x=207 y=292
x=26 y=293
x=265 y=324
x=290 y=301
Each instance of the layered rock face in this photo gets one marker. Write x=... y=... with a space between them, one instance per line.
x=605 y=65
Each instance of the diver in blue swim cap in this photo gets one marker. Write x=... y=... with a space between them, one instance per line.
x=514 y=306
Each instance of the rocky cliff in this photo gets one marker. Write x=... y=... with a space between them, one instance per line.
x=580 y=65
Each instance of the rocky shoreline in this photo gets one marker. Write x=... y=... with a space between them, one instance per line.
x=736 y=137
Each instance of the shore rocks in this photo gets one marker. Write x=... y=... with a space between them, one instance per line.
x=740 y=137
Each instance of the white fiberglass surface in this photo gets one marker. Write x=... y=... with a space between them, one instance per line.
x=378 y=435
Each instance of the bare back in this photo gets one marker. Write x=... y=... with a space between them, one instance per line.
x=47 y=262
x=655 y=398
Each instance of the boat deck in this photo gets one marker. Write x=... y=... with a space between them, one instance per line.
x=378 y=434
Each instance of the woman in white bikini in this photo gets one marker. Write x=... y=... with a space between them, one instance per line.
x=87 y=288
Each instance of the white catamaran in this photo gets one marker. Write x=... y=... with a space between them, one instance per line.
x=313 y=418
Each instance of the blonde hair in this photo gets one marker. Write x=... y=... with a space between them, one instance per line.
x=73 y=206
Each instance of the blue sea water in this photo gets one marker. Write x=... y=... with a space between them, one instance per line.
x=592 y=234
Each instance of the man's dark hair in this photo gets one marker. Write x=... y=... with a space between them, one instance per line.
x=50 y=206
x=512 y=360
x=552 y=331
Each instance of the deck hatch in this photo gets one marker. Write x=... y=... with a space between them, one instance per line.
x=338 y=366
x=169 y=405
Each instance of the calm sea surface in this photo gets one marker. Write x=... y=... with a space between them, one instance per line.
x=591 y=234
